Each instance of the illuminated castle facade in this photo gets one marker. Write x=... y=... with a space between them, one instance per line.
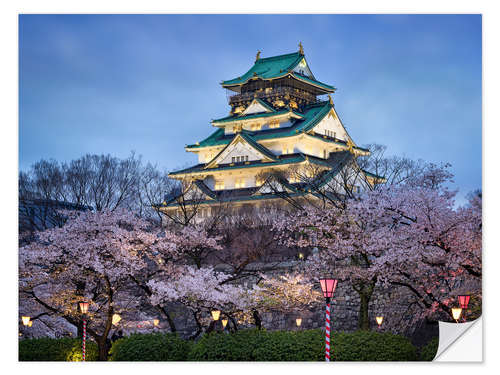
x=277 y=125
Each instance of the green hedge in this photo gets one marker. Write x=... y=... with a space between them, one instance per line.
x=429 y=351
x=245 y=345
x=47 y=349
x=253 y=345
x=150 y=347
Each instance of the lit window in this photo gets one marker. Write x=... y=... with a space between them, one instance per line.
x=240 y=183
x=287 y=150
x=219 y=185
x=255 y=127
x=274 y=124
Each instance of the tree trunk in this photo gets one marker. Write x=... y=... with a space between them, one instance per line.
x=365 y=292
x=257 y=319
x=103 y=349
x=363 y=318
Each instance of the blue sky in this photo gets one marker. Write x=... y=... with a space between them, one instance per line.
x=150 y=83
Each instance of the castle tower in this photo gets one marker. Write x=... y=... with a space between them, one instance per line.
x=277 y=123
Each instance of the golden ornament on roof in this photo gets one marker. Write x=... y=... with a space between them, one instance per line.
x=301 y=49
x=258 y=56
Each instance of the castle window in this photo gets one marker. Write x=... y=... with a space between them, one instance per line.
x=240 y=183
x=219 y=185
x=325 y=154
x=255 y=127
x=274 y=124
x=287 y=150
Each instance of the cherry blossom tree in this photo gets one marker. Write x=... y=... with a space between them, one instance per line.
x=91 y=257
x=407 y=235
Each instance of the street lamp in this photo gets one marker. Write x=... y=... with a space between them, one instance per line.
x=84 y=308
x=116 y=319
x=156 y=322
x=215 y=314
x=463 y=300
x=455 y=312
x=379 y=320
x=328 y=288
x=224 y=324
x=26 y=320
x=298 y=321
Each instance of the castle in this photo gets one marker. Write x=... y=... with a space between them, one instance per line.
x=282 y=123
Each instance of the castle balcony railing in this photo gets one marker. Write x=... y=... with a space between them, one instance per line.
x=270 y=95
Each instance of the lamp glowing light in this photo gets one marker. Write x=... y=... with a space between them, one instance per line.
x=379 y=320
x=298 y=321
x=464 y=301
x=30 y=323
x=26 y=320
x=215 y=314
x=84 y=307
x=456 y=312
x=156 y=322
x=116 y=319
x=328 y=287
x=224 y=323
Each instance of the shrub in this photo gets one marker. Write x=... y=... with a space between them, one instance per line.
x=307 y=345
x=47 y=349
x=372 y=346
x=429 y=351
x=227 y=347
x=150 y=347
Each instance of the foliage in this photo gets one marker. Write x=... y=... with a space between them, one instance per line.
x=307 y=345
x=150 y=347
x=372 y=346
x=92 y=256
x=48 y=349
x=428 y=352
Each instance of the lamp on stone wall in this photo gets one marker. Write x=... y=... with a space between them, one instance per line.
x=379 y=320
x=328 y=286
x=26 y=320
x=455 y=312
x=116 y=319
x=215 y=314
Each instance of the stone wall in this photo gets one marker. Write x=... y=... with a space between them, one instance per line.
x=395 y=304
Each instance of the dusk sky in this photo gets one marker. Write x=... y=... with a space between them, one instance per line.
x=150 y=83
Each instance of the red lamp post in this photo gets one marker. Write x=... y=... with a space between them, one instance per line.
x=84 y=308
x=463 y=300
x=328 y=288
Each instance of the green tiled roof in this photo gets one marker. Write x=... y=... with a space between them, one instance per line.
x=252 y=116
x=290 y=159
x=300 y=77
x=276 y=67
x=269 y=67
x=311 y=116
